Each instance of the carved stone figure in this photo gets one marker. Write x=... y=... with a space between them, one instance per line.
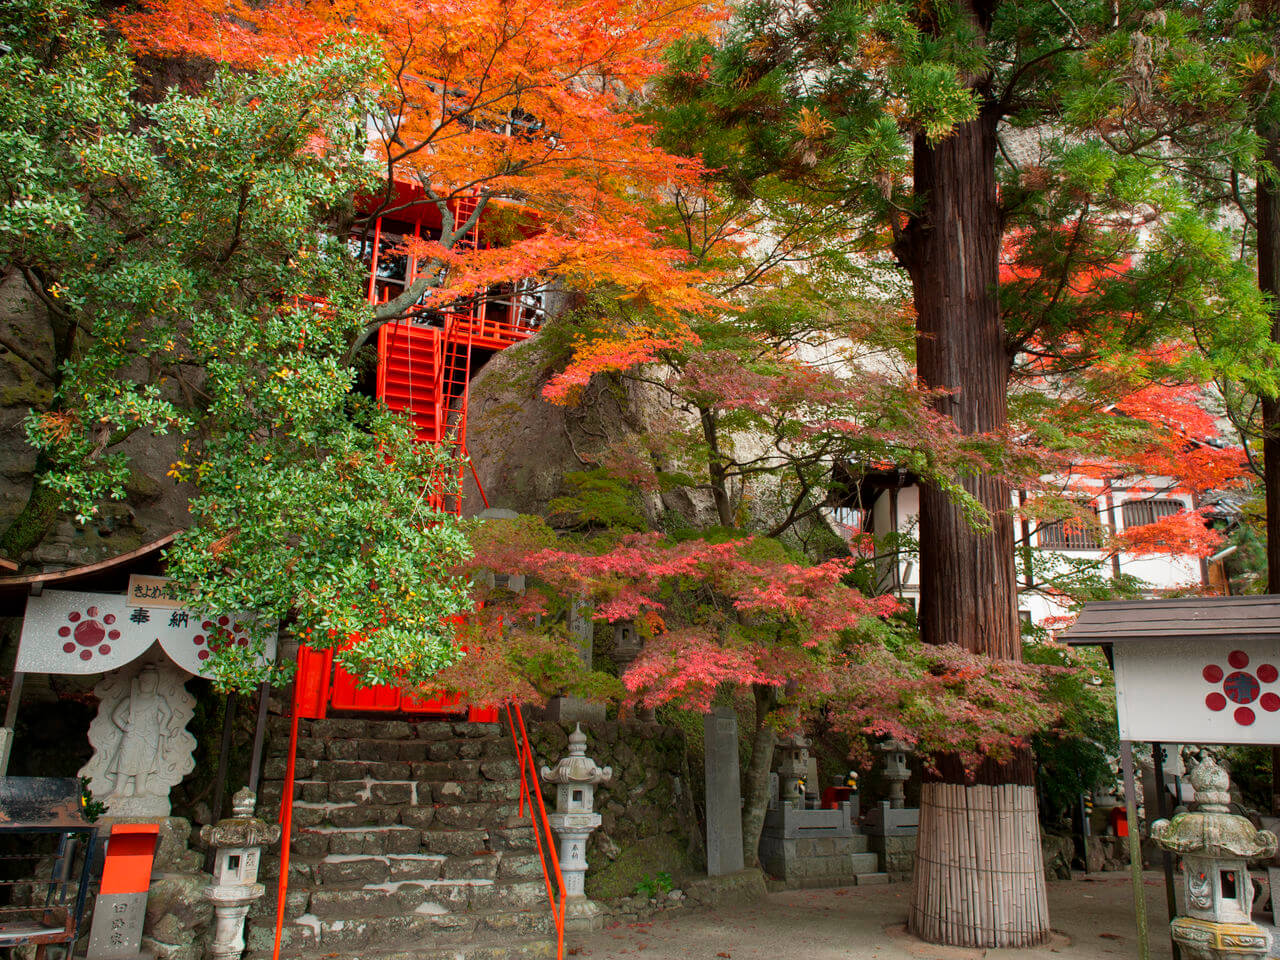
x=141 y=745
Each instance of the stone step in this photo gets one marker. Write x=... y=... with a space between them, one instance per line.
x=360 y=872
x=499 y=767
x=859 y=843
x=346 y=936
x=426 y=897
x=319 y=842
x=401 y=792
x=871 y=879
x=356 y=815
x=865 y=863
x=508 y=948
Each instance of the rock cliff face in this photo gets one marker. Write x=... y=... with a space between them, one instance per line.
x=154 y=506
x=522 y=446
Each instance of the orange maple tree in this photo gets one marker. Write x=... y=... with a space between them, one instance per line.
x=514 y=115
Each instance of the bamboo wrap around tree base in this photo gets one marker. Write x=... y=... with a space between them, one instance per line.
x=979 y=875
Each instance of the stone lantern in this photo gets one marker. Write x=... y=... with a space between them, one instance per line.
x=576 y=777
x=627 y=646
x=238 y=842
x=896 y=771
x=1215 y=847
x=793 y=767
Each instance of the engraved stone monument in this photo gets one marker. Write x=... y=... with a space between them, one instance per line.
x=141 y=747
x=724 y=792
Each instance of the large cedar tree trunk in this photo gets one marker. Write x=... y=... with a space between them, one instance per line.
x=1268 y=220
x=979 y=879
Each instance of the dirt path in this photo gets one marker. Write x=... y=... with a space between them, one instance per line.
x=1091 y=919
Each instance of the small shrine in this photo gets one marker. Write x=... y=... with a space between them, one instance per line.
x=806 y=845
x=1216 y=847
x=145 y=645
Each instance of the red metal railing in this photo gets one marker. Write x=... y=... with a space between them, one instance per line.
x=286 y=817
x=543 y=836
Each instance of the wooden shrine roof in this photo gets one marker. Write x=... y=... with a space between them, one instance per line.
x=111 y=575
x=1107 y=622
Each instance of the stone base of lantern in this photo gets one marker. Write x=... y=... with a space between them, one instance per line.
x=1206 y=940
x=583 y=915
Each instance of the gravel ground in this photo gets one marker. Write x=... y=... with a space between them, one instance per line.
x=1092 y=918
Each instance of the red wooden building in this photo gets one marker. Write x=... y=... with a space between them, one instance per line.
x=425 y=364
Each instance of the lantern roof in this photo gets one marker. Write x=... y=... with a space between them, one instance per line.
x=1211 y=831
x=577 y=767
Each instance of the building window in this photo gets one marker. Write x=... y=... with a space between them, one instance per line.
x=1073 y=533
x=1138 y=513
x=851 y=521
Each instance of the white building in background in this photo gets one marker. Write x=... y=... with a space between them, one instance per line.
x=887 y=502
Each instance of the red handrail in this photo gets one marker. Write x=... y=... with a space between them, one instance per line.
x=543 y=836
x=286 y=821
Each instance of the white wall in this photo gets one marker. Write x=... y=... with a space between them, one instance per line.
x=1161 y=572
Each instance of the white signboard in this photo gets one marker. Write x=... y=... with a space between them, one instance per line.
x=1198 y=691
x=66 y=631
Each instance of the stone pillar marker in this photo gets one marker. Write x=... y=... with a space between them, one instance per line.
x=239 y=840
x=576 y=777
x=724 y=792
x=581 y=630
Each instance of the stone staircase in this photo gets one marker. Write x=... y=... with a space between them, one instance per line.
x=407 y=843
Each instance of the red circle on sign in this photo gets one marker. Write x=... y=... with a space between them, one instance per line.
x=197 y=639
x=92 y=611
x=1244 y=716
x=1212 y=673
x=1238 y=659
x=1270 y=702
x=203 y=655
x=104 y=649
x=86 y=654
x=74 y=616
x=109 y=618
x=223 y=621
x=1241 y=687
x=68 y=648
x=89 y=633
x=1267 y=673
x=1215 y=701
x=64 y=631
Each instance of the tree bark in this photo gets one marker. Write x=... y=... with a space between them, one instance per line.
x=755 y=785
x=968 y=587
x=1268 y=221
x=979 y=838
x=716 y=469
